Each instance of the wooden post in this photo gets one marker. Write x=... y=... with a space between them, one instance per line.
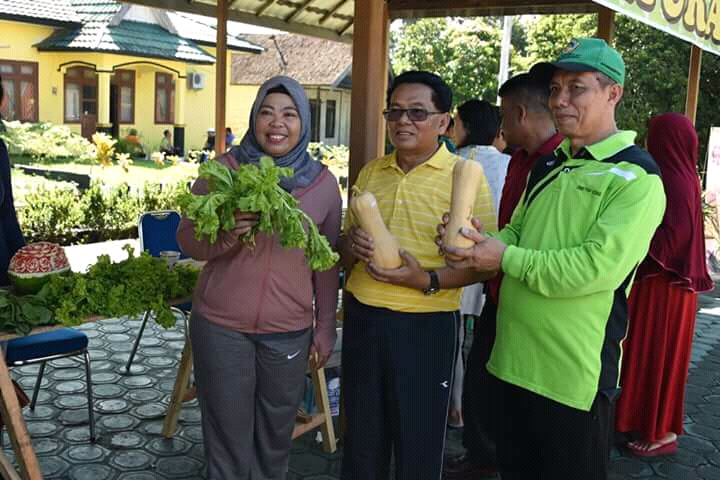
x=220 y=76
x=693 y=88
x=181 y=382
x=369 y=66
x=606 y=24
x=17 y=431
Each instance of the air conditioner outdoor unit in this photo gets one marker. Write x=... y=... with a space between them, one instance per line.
x=196 y=81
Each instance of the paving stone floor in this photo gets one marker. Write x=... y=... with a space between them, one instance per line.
x=130 y=410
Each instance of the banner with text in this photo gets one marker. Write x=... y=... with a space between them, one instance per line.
x=695 y=21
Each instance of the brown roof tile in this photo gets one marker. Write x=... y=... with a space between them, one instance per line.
x=309 y=60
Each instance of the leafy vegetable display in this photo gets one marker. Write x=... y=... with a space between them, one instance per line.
x=129 y=287
x=254 y=188
x=20 y=314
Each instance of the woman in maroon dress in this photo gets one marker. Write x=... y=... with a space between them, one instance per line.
x=663 y=301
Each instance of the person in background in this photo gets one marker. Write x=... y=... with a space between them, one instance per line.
x=229 y=138
x=500 y=143
x=135 y=145
x=166 y=145
x=259 y=312
x=448 y=138
x=477 y=125
x=400 y=325
x=11 y=237
x=529 y=128
x=209 y=145
x=663 y=301
x=569 y=255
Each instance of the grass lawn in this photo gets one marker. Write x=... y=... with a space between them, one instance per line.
x=140 y=172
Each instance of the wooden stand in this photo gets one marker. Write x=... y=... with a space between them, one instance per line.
x=323 y=419
x=17 y=431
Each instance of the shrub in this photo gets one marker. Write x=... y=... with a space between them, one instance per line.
x=45 y=141
x=336 y=157
x=51 y=214
x=66 y=216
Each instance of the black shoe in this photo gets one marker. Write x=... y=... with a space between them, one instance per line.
x=462 y=467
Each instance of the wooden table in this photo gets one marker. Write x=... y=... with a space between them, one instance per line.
x=26 y=459
x=15 y=423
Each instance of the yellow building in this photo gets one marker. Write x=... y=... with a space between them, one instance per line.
x=100 y=65
x=321 y=66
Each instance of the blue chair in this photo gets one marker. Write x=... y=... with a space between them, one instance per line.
x=51 y=345
x=157 y=234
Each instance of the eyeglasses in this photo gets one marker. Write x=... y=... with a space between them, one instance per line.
x=413 y=114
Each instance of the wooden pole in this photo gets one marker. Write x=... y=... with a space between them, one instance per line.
x=220 y=76
x=17 y=431
x=369 y=67
x=606 y=24
x=693 y=89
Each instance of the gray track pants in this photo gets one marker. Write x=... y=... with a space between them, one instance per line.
x=249 y=388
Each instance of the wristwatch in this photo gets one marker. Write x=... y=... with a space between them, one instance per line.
x=434 y=283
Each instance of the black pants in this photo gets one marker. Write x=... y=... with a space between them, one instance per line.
x=540 y=439
x=478 y=401
x=397 y=373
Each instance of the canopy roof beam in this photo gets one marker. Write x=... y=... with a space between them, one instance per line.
x=209 y=10
x=441 y=8
x=298 y=11
x=332 y=11
x=264 y=7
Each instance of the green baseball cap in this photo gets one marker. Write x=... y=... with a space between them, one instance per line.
x=585 y=55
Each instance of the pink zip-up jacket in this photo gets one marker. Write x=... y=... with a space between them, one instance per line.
x=268 y=288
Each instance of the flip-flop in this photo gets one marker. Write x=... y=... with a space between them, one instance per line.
x=669 y=448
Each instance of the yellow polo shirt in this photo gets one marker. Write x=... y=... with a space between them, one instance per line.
x=412 y=205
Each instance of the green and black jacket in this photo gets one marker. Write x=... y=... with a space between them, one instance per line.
x=574 y=243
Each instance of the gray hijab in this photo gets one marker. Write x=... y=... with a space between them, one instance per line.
x=305 y=167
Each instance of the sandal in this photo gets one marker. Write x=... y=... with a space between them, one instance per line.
x=667 y=446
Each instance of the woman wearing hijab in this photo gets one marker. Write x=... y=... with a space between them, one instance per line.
x=663 y=301
x=11 y=237
x=258 y=312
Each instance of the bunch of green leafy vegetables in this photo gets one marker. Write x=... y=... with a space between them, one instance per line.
x=254 y=188
x=22 y=313
x=129 y=287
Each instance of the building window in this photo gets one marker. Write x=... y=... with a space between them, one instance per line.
x=330 y=119
x=20 y=83
x=314 y=120
x=164 y=98
x=80 y=93
x=124 y=82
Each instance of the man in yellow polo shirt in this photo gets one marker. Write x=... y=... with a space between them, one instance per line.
x=400 y=326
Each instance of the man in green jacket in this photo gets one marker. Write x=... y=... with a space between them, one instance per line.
x=569 y=255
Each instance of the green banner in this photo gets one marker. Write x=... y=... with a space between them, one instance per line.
x=696 y=21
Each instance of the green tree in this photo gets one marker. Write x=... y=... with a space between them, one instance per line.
x=647 y=93
x=464 y=52
x=653 y=85
x=548 y=35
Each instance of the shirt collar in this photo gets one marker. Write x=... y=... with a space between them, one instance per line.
x=442 y=158
x=550 y=145
x=601 y=150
